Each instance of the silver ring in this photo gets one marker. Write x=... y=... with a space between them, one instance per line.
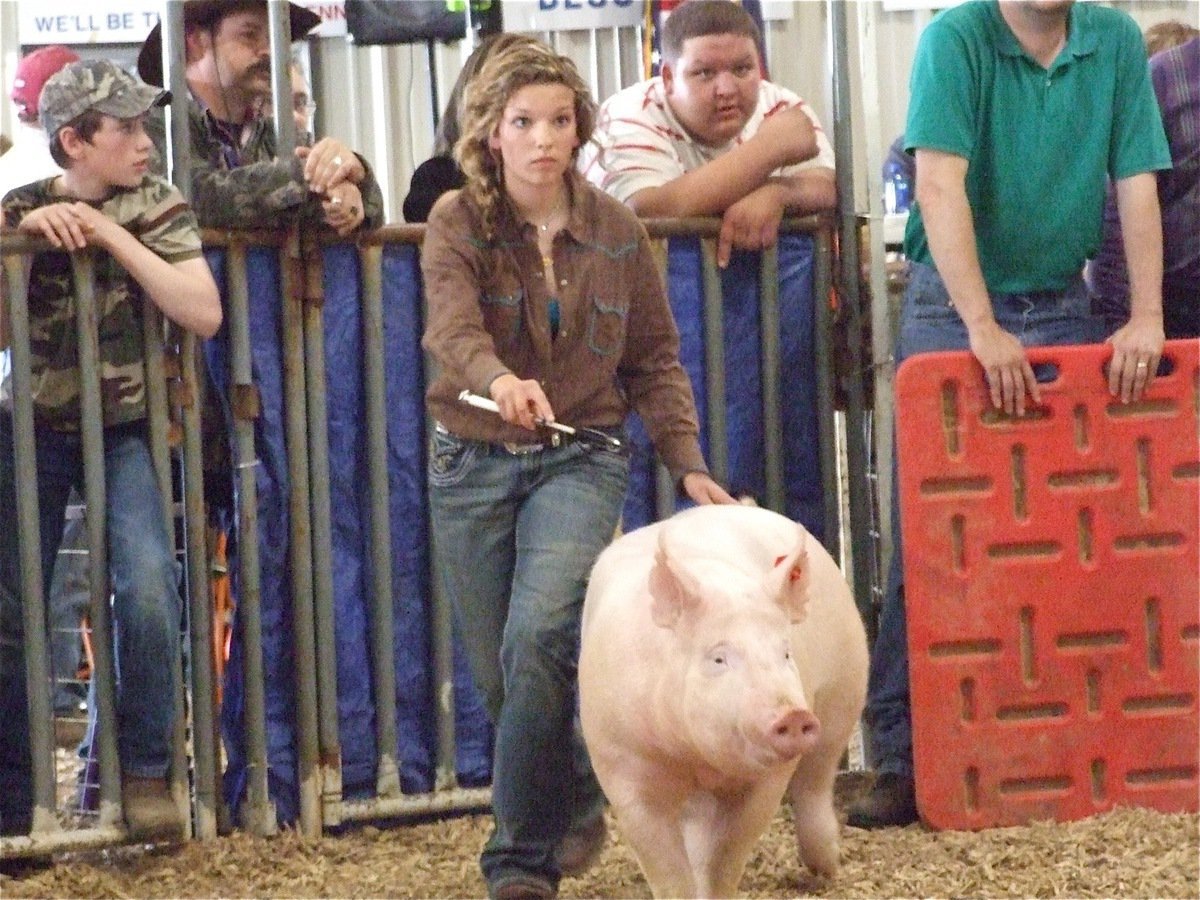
x=1143 y=364
x=337 y=161
x=336 y=201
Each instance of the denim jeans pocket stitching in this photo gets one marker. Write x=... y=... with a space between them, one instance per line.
x=450 y=459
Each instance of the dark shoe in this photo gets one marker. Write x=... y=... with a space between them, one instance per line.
x=524 y=887
x=150 y=811
x=14 y=823
x=580 y=849
x=24 y=866
x=892 y=801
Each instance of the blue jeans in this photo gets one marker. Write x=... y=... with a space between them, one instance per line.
x=515 y=537
x=1181 y=312
x=68 y=602
x=146 y=605
x=929 y=322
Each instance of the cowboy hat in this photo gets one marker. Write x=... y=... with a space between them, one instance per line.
x=205 y=14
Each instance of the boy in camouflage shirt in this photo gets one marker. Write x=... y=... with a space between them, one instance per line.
x=147 y=249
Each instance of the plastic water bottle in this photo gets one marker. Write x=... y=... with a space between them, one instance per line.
x=897 y=193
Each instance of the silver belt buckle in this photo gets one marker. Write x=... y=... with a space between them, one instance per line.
x=521 y=449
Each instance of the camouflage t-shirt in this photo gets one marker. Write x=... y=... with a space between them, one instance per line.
x=156 y=214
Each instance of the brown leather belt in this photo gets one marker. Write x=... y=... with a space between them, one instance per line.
x=554 y=440
x=515 y=448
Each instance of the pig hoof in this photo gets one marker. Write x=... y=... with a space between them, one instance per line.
x=892 y=801
x=523 y=887
x=581 y=848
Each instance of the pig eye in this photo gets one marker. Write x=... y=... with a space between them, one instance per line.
x=718 y=658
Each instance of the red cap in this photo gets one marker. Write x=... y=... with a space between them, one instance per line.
x=33 y=71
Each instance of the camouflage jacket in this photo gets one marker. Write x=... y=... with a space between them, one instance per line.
x=157 y=215
x=260 y=189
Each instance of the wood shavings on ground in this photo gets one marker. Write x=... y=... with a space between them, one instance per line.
x=1123 y=853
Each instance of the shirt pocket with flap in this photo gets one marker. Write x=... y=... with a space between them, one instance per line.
x=606 y=326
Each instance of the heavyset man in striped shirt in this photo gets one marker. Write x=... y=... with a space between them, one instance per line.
x=711 y=137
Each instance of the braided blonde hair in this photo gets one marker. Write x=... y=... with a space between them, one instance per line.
x=503 y=74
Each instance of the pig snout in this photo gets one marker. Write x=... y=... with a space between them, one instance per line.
x=793 y=733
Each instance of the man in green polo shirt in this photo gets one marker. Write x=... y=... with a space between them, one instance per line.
x=1018 y=113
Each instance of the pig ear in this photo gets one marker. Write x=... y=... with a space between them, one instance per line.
x=673 y=590
x=788 y=580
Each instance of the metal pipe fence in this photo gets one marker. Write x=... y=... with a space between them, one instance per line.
x=324 y=800
x=167 y=386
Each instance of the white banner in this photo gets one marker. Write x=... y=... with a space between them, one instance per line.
x=129 y=21
x=86 y=21
x=571 y=15
x=333 y=17
x=126 y=21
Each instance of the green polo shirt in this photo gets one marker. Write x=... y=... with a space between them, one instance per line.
x=1039 y=142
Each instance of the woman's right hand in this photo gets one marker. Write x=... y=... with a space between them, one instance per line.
x=521 y=401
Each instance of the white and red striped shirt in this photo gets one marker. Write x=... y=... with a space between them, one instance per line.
x=639 y=143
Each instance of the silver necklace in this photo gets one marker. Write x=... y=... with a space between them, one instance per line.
x=545 y=226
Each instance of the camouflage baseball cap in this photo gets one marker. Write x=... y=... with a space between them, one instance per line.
x=98 y=84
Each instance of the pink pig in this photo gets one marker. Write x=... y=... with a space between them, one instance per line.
x=723 y=662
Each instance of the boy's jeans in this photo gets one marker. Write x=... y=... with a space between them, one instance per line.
x=515 y=537
x=928 y=322
x=146 y=604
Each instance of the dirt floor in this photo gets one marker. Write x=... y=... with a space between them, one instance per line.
x=1125 y=853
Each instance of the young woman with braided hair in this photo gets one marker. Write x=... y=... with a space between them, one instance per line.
x=543 y=296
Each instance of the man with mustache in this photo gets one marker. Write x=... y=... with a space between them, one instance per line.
x=238 y=179
x=711 y=137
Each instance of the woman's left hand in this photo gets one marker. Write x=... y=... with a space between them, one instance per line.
x=702 y=489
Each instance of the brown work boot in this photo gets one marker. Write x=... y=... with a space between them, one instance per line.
x=892 y=801
x=150 y=811
x=581 y=848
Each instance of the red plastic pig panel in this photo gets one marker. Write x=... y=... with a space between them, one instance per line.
x=1052 y=583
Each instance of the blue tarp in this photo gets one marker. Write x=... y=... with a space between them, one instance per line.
x=743 y=378
x=350 y=501
x=350 y=510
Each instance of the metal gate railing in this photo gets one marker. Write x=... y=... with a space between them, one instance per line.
x=174 y=429
x=323 y=801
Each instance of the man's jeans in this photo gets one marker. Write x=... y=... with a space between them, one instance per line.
x=928 y=322
x=515 y=537
x=146 y=604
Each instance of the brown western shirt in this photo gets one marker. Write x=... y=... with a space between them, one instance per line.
x=617 y=346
